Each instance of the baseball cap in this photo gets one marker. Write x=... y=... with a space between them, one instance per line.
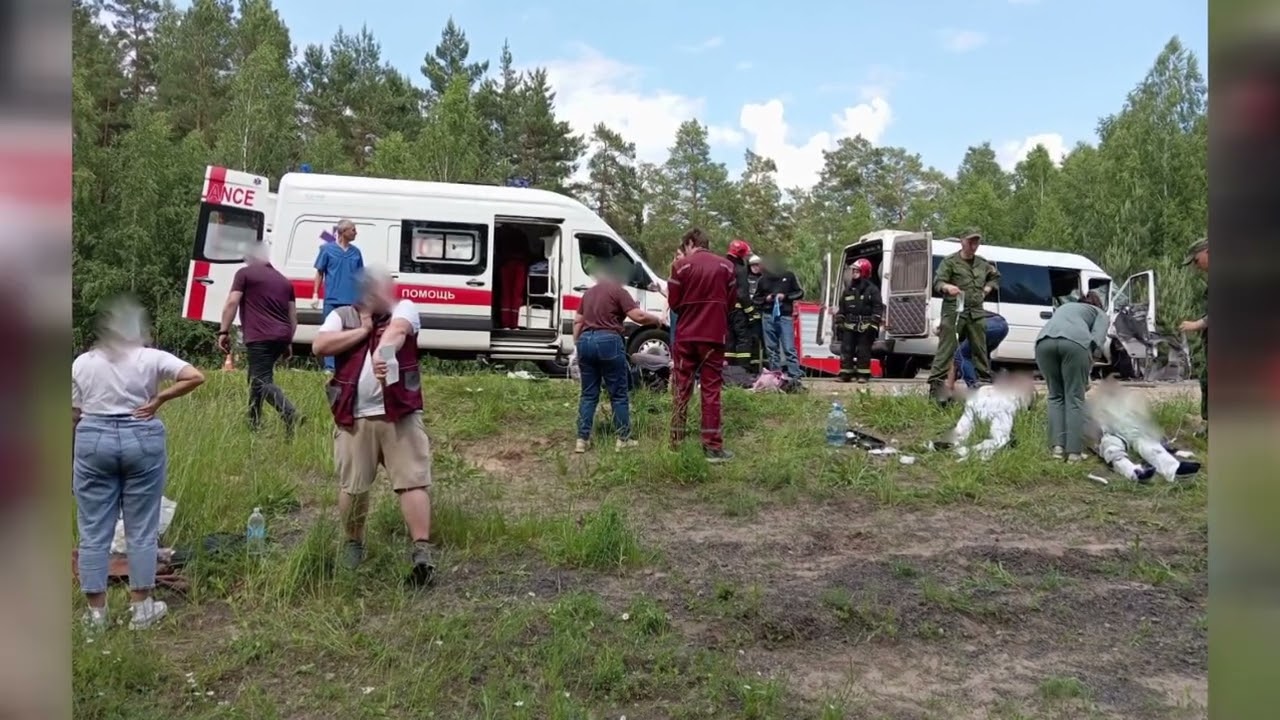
x=971 y=233
x=1196 y=248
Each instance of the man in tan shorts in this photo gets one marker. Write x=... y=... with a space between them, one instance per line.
x=377 y=414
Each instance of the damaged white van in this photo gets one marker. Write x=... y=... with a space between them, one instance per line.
x=496 y=272
x=1032 y=284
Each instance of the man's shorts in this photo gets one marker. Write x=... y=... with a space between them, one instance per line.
x=401 y=447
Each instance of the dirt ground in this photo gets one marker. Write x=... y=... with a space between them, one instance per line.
x=951 y=611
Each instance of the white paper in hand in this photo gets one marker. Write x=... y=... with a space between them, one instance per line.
x=388 y=354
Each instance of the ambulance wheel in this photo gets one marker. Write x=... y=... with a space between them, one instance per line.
x=558 y=368
x=644 y=340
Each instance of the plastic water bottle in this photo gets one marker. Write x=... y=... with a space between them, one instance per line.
x=837 y=425
x=256 y=533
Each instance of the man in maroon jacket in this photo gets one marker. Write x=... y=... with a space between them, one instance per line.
x=701 y=291
x=378 y=413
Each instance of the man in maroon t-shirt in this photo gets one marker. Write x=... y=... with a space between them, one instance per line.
x=268 y=318
x=701 y=291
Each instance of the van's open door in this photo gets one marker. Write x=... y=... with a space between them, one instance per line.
x=910 y=286
x=1132 y=311
x=825 y=325
x=231 y=222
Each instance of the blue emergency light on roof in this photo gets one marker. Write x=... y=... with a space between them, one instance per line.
x=518 y=182
x=304 y=167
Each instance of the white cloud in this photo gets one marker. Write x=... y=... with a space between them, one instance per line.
x=961 y=41
x=744 y=65
x=592 y=88
x=1011 y=152
x=710 y=43
x=799 y=165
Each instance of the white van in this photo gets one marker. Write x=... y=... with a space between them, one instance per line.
x=1032 y=284
x=445 y=244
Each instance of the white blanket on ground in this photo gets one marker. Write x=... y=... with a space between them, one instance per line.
x=167 y=510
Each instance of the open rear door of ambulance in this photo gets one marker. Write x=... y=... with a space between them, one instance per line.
x=910 y=286
x=231 y=223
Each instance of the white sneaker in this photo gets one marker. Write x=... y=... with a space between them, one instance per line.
x=1058 y=452
x=626 y=445
x=580 y=446
x=95 y=619
x=1075 y=458
x=147 y=613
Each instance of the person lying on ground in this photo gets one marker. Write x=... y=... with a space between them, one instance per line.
x=1119 y=420
x=997 y=405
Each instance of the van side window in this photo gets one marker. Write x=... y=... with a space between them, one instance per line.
x=1025 y=284
x=596 y=249
x=226 y=233
x=441 y=248
x=937 y=260
x=1064 y=283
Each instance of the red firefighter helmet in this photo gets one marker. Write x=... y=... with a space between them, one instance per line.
x=739 y=249
x=863 y=266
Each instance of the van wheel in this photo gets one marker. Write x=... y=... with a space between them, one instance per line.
x=648 y=338
x=558 y=368
x=899 y=367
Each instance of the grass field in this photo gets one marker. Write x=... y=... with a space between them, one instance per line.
x=796 y=582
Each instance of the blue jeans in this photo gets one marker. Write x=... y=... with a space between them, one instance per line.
x=997 y=330
x=120 y=464
x=330 y=306
x=602 y=358
x=780 y=344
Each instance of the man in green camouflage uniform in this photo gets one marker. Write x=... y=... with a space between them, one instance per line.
x=1198 y=255
x=968 y=277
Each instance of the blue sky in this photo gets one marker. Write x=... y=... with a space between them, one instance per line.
x=787 y=79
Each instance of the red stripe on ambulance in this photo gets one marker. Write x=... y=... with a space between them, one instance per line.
x=216 y=185
x=427 y=294
x=195 y=300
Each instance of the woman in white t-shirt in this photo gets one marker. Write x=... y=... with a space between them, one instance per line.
x=120 y=456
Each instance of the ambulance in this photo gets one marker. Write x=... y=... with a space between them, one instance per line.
x=1032 y=284
x=495 y=272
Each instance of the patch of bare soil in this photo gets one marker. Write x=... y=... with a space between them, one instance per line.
x=904 y=610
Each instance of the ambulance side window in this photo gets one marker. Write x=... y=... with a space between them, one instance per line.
x=595 y=250
x=442 y=248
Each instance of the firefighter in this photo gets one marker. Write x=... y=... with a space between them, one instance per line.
x=755 y=327
x=859 y=317
x=738 y=344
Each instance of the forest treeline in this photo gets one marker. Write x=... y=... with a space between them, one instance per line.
x=161 y=92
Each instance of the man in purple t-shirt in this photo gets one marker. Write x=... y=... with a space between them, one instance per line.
x=268 y=318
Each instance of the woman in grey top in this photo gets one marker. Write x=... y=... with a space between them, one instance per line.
x=1064 y=353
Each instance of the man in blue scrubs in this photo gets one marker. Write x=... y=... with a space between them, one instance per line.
x=338 y=265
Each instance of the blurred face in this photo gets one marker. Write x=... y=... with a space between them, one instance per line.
x=348 y=234
x=381 y=296
x=755 y=268
x=969 y=246
x=1201 y=260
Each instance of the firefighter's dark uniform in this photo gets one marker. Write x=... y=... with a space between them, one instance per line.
x=755 y=326
x=858 y=319
x=738 y=345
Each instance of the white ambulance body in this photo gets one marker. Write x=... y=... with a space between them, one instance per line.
x=1032 y=284
x=443 y=242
